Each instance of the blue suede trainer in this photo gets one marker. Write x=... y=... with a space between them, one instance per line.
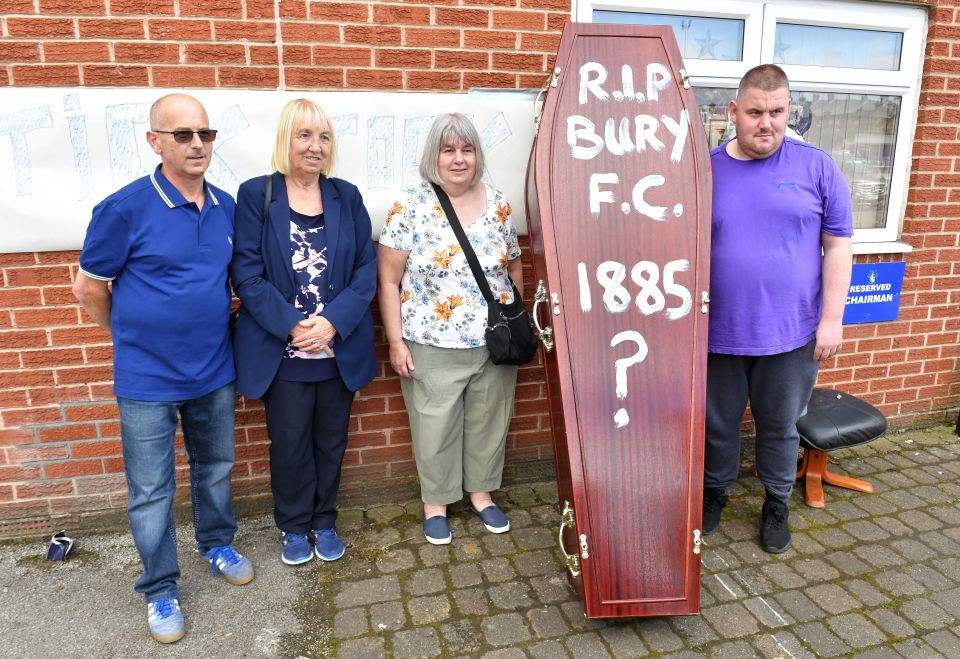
x=327 y=544
x=165 y=620
x=437 y=531
x=295 y=548
x=235 y=568
x=493 y=518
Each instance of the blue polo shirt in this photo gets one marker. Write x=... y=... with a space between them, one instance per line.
x=171 y=301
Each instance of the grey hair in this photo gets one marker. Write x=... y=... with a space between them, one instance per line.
x=450 y=128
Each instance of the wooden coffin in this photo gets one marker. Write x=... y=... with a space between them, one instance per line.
x=618 y=201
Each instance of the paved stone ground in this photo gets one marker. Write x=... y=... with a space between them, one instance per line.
x=872 y=575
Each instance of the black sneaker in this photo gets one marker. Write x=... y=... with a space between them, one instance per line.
x=774 y=529
x=714 y=501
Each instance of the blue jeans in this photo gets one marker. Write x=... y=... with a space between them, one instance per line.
x=147 y=430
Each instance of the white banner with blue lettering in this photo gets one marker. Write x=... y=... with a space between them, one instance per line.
x=63 y=150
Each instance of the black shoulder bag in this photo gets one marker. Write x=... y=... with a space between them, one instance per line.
x=509 y=334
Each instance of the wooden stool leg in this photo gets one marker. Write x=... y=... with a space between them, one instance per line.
x=847 y=482
x=814 y=471
x=815 y=463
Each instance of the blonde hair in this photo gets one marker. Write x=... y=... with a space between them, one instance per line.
x=296 y=114
x=450 y=128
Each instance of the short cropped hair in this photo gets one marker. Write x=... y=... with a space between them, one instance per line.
x=296 y=114
x=450 y=128
x=766 y=77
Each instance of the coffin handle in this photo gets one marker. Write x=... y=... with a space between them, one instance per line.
x=544 y=333
x=567 y=522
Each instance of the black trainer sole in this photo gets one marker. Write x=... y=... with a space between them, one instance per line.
x=777 y=550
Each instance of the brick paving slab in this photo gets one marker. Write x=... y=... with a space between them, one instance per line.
x=548 y=650
x=914 y=550
x=429 y=609
x=387 y=616
x=351 y=622
x=369 y=591
x=731 y=620
x=821 y=640
x=732 y=650
x=867 y=593
x=500 y=545
x=694 y=630
x=536 y=562
x=893 y=625
x=362 y=648
x=505 y=629
x=930 y=578
x=498 y=570
x=623 y=641
x=866 y=531
x=920 y=520
x=814 y=569
x=587 y=646
x=657 y=635
x=767 y=613
x=925 y=614
x=461 y=636
x=799 y=606
x=423 y=582
x=547 y=622
x=938 y=541
x=945 y=642
x=420 y=642
x=472 y=601
x=856 y=631
x=917 y=648
x=832 y=598
x=779 y=645
x=433 y=555
x=510 y=596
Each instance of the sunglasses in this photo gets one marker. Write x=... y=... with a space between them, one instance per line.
x=184 y=136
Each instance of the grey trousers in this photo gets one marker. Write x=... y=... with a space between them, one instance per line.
x=460 y=404
x=778 y=388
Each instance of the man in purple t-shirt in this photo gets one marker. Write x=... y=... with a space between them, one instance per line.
x=780 y=269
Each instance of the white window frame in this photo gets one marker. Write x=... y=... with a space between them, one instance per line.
x=759 y=36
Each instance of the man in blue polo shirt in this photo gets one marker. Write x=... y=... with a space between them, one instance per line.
x=153 y=271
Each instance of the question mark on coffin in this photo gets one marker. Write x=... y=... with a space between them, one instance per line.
x=621 y=418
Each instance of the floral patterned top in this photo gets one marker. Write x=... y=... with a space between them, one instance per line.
x=440 y=302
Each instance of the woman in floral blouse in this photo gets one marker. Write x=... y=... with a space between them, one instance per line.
x=458 y=401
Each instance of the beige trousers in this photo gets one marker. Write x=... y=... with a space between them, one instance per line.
x=460 y=404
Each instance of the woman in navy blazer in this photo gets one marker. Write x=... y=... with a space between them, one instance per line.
x=305 y=270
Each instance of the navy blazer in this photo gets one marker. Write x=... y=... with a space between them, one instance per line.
x=262 y=273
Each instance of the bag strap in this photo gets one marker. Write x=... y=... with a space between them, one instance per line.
x=267 y=195
x=464 y=243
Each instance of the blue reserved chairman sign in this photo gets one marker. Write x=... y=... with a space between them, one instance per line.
x=874 y=294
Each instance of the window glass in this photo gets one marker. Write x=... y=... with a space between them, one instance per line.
x=859 y=131
x=813 y=45
x=698 y=37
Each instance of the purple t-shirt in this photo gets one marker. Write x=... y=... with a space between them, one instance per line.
x=765 y=262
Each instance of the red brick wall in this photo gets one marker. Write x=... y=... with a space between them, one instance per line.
x=59 y=446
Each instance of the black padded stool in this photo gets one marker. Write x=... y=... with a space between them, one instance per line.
x=834 y=420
